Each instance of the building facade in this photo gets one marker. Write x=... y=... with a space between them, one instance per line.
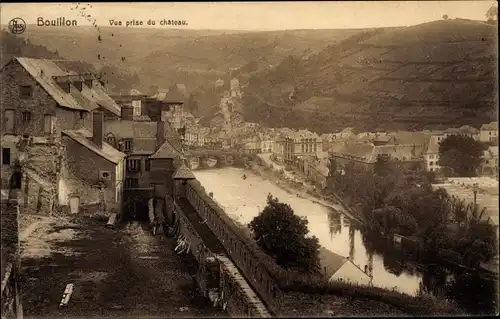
x=489 y=133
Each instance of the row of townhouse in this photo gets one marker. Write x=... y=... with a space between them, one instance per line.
x=104 y=146
x=412 y=148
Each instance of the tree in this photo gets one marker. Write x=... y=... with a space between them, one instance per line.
x=445 y=16
x=492 y=14
x=192 y=104
x=282 y=234
x=461 y=154
x=391 y=219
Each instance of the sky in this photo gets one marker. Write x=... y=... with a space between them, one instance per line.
x=253 y=15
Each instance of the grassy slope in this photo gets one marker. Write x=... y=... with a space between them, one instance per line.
x=431 y=75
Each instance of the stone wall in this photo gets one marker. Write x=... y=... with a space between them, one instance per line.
x=243 y=256
x=11 y=261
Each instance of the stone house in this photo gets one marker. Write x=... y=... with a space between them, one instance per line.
x=302 y=143
x=279 y=147
x=490 y=161
x=93 y=170
x=138 y=140
x=431 y=155
x=168 y=106
x=489 y=132
x=44 y=101
x=43 y=97
x=366 y=154
x=466 y=130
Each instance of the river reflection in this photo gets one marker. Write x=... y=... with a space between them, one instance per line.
x=243 y=199
x=391 y=268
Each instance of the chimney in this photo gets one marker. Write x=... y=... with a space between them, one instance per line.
x=97 y=128
x=127 y=113
x=160 y=133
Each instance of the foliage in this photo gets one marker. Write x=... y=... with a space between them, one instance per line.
x=462 y=154
x=492 y=14
x=13 y=45
x=404 y=202
x=282 y=234
x=445 y=16
x=392 y=219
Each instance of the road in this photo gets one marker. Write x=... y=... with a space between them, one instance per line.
x=116 y=273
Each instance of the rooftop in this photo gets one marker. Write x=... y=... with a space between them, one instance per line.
x=107 y=151
x=166 y=151
x=46 y=72
x=493 y=126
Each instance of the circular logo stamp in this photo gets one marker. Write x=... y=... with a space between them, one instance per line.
x=17 y=26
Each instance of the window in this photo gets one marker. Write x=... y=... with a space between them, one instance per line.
x=6 y=156
x=131 y=182
x=127 y=145
x=431 y=163
x=48 y=123
x=136 y=110
x=26 y=116
x=147 y=166
x=8 y=122
x=25 y=91
x=487 y=161
x=134 y=165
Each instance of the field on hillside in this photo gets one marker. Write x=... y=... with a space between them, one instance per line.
x=441 y=73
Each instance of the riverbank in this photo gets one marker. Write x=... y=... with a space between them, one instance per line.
x=300 y=187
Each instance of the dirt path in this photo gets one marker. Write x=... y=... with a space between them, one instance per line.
x=127 y=272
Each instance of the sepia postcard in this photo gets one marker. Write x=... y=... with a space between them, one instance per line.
x=249 y=159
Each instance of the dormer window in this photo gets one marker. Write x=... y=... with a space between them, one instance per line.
x=78 y=85
x=25 y=91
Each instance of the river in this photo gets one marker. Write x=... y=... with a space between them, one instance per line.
x=391 y=268
x=243 y=199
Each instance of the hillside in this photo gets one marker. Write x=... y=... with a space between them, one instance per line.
x=195 y=58
x=437 y=74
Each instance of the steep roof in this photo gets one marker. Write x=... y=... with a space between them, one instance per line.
x=90 y=98
x=409 y=137
x=184 y=173
x=330 y=262
x=166 y=151
x=107 y=151
x=368 y=153
x=433 y=147
x=400 y=152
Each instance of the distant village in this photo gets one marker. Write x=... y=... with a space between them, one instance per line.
x=306 y=150
x=136 y=124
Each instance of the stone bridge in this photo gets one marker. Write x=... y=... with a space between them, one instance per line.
x=207 y=158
